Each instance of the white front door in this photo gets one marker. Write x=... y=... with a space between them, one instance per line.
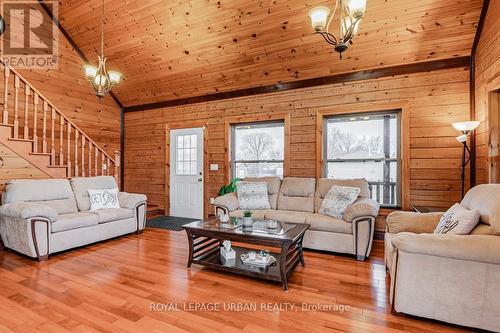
x=186 y=173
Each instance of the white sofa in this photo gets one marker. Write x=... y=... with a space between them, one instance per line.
x=452 y=278
x=298 y=200
x=41 y=217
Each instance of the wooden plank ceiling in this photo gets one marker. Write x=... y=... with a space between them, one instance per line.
x=175 y=49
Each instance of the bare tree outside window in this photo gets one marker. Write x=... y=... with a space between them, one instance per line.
x=256 y=146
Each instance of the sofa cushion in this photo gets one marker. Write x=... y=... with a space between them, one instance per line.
x=54 y=193
x=100 y=199
x=325 y=184
x=297 y=194
x=113 y=214
x=484 y=198
x=259 y=214
x=287 y=216
x=82 y=185
x=273 y=188
x=321 y=222
x=457 y=221
x=252 y=195
x=72 y=221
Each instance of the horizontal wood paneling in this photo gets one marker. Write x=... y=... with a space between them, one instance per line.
x=487 y=71
x=175 y=49
x=434 y=100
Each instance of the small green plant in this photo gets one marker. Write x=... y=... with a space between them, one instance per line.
x=247 y=213
x=229 y=188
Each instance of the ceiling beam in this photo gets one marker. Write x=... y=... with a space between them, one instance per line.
x=73 y=44
x=337 y=78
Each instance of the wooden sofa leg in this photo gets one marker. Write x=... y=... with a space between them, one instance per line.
x=43 y=258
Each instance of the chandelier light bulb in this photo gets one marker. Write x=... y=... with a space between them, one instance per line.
x=356 y=8
x=100 y=80
x=114 y=77
x=90 y=71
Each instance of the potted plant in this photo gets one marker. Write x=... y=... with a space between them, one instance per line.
x=247 y=219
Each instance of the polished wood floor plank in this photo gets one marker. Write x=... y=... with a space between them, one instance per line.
x=114 y=286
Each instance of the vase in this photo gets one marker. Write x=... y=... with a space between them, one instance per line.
x=247 y=221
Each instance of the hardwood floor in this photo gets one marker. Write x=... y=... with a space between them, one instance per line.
x=116 y=286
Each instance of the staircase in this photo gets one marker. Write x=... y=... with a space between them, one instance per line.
x=37 y=131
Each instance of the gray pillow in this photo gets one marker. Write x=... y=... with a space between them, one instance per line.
x=337 y=200
x=252 y=195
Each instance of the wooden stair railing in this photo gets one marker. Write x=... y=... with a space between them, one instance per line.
x=60 y=139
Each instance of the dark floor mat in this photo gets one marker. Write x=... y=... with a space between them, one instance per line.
x=168 y=222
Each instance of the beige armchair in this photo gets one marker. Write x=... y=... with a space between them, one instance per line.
x=452 y=278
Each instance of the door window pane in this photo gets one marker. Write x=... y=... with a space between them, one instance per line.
x=186 y=155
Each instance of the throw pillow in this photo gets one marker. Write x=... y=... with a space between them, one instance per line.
x=100 y=199
x=252 y=195
x=337 y=200
x=458 y=221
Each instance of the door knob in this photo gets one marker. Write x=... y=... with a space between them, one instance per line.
x=200 y=179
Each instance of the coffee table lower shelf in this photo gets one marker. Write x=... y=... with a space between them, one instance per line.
x=214 y=260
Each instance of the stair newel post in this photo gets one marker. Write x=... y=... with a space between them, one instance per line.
x=35 y=122
x=83 y=156
x=76 y=152
x=53 y=136
x=90 y=159
x=6 y=75
x=44 y=127
x=68 y=158
x=117 y=168
x=17 y=84
x=27 y=92
x=61 y=139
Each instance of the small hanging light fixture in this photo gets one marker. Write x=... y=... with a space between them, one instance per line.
x=102 y=80
x=351 y=13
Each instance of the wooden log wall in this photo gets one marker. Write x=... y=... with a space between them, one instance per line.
x=487 y=80
x=435 y=99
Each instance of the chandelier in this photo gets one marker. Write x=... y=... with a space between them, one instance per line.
x=102 y=80
x=351 y=13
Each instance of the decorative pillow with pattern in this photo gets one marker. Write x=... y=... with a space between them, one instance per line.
x=337 y=200
x=252 y=195
x=100 y=199
x=458 y=221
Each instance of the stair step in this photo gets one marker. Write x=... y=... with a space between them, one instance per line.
x=21 y=140
x=7 y=125
x=41 y=154
x=57 y=166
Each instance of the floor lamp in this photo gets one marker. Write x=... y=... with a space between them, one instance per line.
x=466 y=127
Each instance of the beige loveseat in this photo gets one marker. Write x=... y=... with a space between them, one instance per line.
x=452 y=278
x=40 y=217
x=298 y=200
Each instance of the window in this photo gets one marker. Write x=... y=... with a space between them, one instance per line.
x=366 y=146
x=258 y=149
x=186 y=154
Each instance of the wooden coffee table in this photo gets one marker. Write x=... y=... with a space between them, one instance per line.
x=206 y=237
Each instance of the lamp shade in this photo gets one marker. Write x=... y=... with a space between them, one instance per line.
x=465 y=126
x=356 y=8
x=90 y=71
x=319 y=16
x=462 y=138
x=114 y=77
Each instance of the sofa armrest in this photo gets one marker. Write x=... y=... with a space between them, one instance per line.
x=227 y=202
x=413 y=222
x=26 y=210
x=361 y=207
x=363 y=230
x=462 y=247
x=131 y=200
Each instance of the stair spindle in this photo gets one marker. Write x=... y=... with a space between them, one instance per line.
x=35 y=122
x=69 y=150
x=90 y=159
x=6 y=74
x=76 y=152
x=83 y=156
x=17 y=84
x=44 y=127
x=27 y=92
x=103 y=165
x=53 y=137
x=117 y=168
x=107 y=166
x=96 y=170
x=61 y=139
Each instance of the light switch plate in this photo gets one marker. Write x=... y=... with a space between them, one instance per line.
x=214 y=167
